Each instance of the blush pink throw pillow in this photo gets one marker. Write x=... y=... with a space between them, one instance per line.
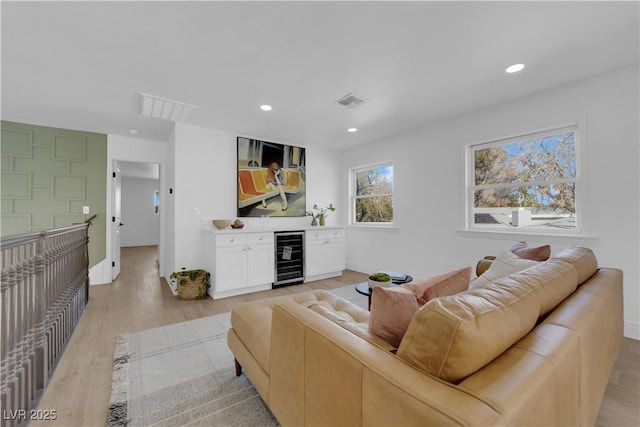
x=539 y=253
x=391 y=311
x=393 y=307
x=443 y=285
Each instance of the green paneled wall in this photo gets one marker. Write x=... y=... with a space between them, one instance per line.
x=48 y=175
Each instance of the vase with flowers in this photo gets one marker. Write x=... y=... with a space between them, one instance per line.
x=318 y=214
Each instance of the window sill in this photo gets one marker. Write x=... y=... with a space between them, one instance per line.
x=577 y=239
x=378 y=227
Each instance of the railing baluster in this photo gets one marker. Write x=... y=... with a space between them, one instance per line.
x=43 y=291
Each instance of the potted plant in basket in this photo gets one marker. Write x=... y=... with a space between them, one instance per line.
x=379 y=279
x=191 y=284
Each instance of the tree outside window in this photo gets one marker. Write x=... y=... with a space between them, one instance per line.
x=372 y=194
x=529 y=181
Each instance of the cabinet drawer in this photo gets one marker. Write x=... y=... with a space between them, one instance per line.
x=311 y=235
x=256 y=238
x=225 y=240
x=334 y=234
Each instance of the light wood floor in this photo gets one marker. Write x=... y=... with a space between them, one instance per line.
x=80 y=387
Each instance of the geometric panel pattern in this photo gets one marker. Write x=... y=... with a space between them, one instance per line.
x=17 y=142
x=68 y=187
x=16 y=185
x=18 y=224
x=48 y=175
x=66 y=220
x=67 y=147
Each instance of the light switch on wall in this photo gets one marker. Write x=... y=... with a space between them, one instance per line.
x=85 y=210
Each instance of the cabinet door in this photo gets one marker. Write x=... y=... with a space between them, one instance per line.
x=314 y=257
x=259 y=264
x=230 y=268
x=334 y=255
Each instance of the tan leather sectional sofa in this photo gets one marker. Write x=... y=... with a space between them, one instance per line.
x=532 y=348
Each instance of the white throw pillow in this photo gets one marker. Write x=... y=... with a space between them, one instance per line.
x=506 y=263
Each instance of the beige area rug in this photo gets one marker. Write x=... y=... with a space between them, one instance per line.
x=183 y=375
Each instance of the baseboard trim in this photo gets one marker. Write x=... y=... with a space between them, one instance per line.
x=632 y=329
x=100 y=274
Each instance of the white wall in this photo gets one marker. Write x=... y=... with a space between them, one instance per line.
x=141 y=224
x=429 y=179
x=205 y=187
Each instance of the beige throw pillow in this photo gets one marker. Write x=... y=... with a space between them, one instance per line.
x=506 y=263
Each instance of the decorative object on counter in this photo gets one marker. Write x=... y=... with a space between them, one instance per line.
x=192 y=284
x=221 y=223
x=319 y=214
x=237 y=224
x=379 y=279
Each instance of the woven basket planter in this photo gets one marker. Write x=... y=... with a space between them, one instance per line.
x=192 y=284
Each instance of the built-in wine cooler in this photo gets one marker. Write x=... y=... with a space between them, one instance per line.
x=289 y=258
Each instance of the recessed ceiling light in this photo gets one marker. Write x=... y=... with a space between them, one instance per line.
x=514 y=68
x=266 y=107
x=352 y=130
x=134 y=131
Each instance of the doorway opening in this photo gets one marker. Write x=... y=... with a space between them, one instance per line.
x=136 y=208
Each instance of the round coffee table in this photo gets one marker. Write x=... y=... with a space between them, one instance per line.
x=364 y=289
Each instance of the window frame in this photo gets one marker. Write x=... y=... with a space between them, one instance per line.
x=353 y=197
x=578 y=181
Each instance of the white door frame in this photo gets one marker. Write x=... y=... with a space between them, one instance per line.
x=153 y=155
x=115 y=220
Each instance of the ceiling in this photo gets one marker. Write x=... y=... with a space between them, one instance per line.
x=83 y=65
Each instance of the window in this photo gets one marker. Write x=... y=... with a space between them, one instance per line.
x=156 y=202
x=529 y=182
x=372 y=194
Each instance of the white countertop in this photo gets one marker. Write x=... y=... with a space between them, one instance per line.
x=257 y=229
x=207 y=227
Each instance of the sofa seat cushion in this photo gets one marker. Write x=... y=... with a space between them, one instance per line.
x=347 y=315
x=251 y=321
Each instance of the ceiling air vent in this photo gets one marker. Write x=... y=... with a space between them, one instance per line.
x=162 y=108
x=352 y=101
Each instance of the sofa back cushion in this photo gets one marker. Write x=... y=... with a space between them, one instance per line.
x=583 y=260
x=452 y=337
